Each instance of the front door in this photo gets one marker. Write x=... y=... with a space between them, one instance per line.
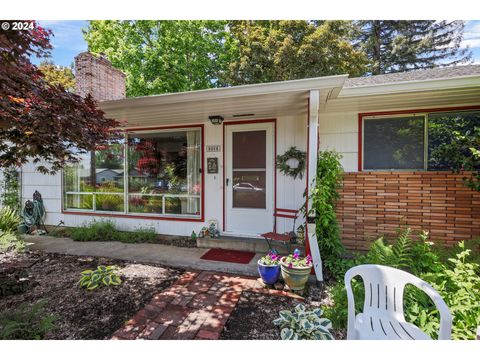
x=249 y=178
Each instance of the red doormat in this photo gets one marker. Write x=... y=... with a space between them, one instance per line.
x=233 y=256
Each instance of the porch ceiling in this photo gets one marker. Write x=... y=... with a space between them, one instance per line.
x=261 y=100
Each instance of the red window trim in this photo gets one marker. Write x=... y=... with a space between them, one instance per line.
x=155 y=217
x=400 y=112
x=239 y=122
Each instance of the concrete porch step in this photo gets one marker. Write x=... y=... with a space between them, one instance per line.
x=243 y=244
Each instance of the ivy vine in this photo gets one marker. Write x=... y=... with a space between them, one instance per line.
x=292 y=153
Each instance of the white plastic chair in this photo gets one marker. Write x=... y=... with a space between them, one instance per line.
x=383 y=317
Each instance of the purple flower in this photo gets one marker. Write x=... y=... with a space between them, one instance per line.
x=290 y=265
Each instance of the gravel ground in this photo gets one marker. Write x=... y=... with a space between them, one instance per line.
x=84 y=314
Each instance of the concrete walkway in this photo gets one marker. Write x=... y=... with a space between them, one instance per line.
x=188 y=258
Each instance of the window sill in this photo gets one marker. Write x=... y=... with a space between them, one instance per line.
x=135 y=216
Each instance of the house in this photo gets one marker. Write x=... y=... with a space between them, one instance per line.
x=385 y=127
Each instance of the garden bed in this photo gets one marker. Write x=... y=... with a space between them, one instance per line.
x=134 y=237
x=253 y=316
x=83 y=314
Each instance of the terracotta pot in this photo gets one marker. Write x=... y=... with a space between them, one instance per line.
x=295 y=278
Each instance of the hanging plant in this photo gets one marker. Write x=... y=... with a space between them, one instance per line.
x=292 y=153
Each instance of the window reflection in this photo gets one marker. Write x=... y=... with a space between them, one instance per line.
x=164 y=175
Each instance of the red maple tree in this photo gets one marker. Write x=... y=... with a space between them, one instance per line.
x=41 y=122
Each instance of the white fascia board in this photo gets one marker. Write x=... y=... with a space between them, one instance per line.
x=411 y=86
x=326 y=82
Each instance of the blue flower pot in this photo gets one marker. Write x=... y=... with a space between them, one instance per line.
x=268 y=273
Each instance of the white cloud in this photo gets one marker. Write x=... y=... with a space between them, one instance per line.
x=473 y=43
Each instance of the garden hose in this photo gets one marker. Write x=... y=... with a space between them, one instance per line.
x=33 y=211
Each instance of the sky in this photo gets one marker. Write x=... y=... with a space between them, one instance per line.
x=68 y=40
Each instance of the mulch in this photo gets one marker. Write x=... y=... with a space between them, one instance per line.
x=252 y=318
x=83 y=314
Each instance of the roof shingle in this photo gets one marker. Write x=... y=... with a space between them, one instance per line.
x=414 y=75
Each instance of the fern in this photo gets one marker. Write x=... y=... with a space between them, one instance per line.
x=28 y=322
x=398 y=254
x=402 y=249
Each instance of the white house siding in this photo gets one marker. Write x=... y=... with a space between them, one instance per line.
x=291 y=131
x=339 y=131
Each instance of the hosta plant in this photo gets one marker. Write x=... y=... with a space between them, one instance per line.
x=102 y=276
x=303 y=324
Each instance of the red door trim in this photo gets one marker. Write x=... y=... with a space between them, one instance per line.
x=399 y=112
x=155 y=217
x=226 y=123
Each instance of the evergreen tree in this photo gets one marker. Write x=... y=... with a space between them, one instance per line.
x=401 y=45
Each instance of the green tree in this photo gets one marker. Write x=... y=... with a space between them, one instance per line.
x=163 y=56
x=454 y=143
x=284 y=50
x=58 y=75
x=401 y=45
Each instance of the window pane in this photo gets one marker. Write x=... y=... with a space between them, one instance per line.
x=78 y=202
x=443 y=130
x=394 y=143
x=249 y=189
x=249 y=149
x=166 y=163
x=99 y=173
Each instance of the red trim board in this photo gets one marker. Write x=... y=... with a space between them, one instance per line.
x=156 y=217
x=274 y=120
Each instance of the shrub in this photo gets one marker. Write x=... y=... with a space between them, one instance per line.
x=139 y=235
x=96 y=231
x=324 y=196
x=11 y=242
x=10 y=196
x=9 y=219
x=106 y=231
x=102 y=276
x=456 y=279
x=28 y=322
x=303 y=325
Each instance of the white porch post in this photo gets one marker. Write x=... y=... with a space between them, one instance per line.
x=312 y=151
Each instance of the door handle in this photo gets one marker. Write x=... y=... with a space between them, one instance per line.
x=227 y=181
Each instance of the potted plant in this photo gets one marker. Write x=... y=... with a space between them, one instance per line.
x=296 y=269
x=269 y=268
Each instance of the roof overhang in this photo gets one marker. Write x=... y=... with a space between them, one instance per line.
x=259 y=100
x=401 y=87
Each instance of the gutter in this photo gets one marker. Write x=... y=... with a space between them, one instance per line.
x=326 y=82
x=470 y=81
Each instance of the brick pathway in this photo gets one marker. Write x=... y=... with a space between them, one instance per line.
x=197 y=306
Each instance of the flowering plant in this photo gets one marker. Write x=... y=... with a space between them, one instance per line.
x=272 y=258
x=296 y=261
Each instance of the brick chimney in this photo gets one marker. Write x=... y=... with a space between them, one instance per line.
x=97 y=76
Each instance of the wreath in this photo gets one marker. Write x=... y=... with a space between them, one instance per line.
x=292 y=153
